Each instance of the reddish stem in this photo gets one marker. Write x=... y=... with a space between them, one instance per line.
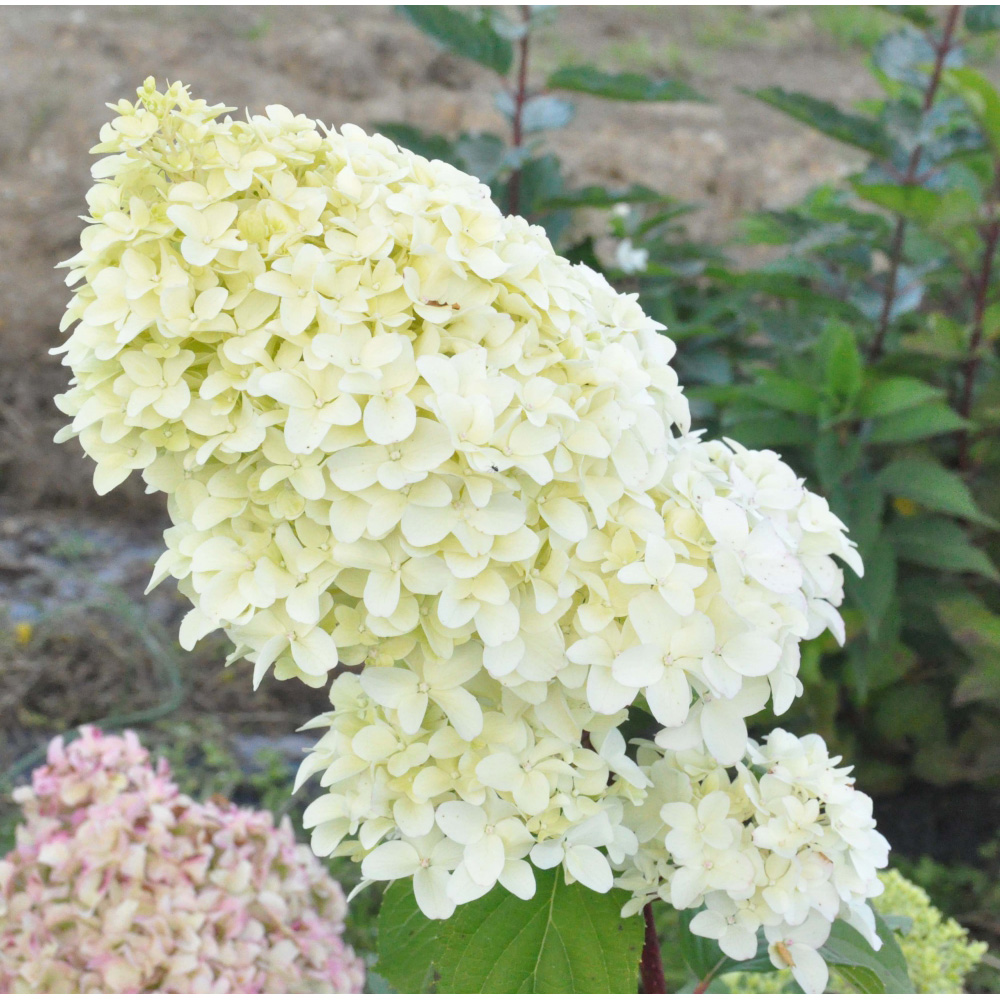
x=971 y=366
x=520 y=99
x=896 y=249
x=651 y=963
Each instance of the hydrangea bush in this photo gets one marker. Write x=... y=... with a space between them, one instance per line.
x=120 y=884
x=397 y=432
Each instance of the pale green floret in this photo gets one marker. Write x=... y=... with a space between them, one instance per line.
x=938 y=951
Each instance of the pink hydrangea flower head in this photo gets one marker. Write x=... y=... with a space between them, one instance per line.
x=121 y=884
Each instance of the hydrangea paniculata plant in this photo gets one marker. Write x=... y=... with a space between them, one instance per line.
x=398 y=432
x=120 y=884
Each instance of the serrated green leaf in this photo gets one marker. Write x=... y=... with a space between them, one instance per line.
x=827 y=118
x=409 y=945
x=982 y=17
x=938 y=543
x=869 y=971
x=930 y=484
x=620 y=86
x=878 y=399
x=472 y=38
x=566 y=939
x=916 y=423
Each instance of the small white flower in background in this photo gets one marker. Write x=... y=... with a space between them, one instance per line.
x=631 y=259
x=398 y=431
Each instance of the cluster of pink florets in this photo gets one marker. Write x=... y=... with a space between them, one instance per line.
x=121 y=884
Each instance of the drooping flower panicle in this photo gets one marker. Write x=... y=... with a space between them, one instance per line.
x=397 y=430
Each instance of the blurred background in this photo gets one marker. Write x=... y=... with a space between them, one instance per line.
x=807 y=197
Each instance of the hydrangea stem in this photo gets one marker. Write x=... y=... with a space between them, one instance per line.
x=991 y=237
x=896 y=250
x=520 y=98
x=651 y=963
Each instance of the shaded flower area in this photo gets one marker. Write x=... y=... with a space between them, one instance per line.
x=397 y=431
x=120 y=884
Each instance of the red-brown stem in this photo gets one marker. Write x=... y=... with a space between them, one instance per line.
x=990 y=239
x=520 y=98
x=896 y=248
x=651 y=963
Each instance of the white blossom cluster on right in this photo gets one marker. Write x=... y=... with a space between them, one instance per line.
x=398 y=432
x=784 y=844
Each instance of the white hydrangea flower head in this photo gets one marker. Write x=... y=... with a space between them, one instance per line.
x=398 y=432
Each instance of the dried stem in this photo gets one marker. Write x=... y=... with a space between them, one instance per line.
x=896 y=249
x=520 y=99
x=651 y=963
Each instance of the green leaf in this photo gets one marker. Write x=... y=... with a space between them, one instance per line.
x=620 y=86
x=409 y=945
x=938 y=543
x=828 y=119
x=432 y=147
x=545 y=112
x=482 y=154
x=913 y=202
x=928 y=483
x=771 y=431
x=970 y=623
x=878 y=399
x=783 y=394
x=566 y=939
x=985 y=17
x=596 y=196
x=916 y=423
x=842 y=361
x=473 y=38
x=981 y=97
x=874 y=591
x=869 y=971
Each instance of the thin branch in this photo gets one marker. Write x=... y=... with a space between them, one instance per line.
x=703 y=986
x=990 y=240
x=908 y=179
x=651 y=963
x=520 y=99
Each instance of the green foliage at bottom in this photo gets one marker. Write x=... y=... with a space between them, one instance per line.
x=566 y=938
